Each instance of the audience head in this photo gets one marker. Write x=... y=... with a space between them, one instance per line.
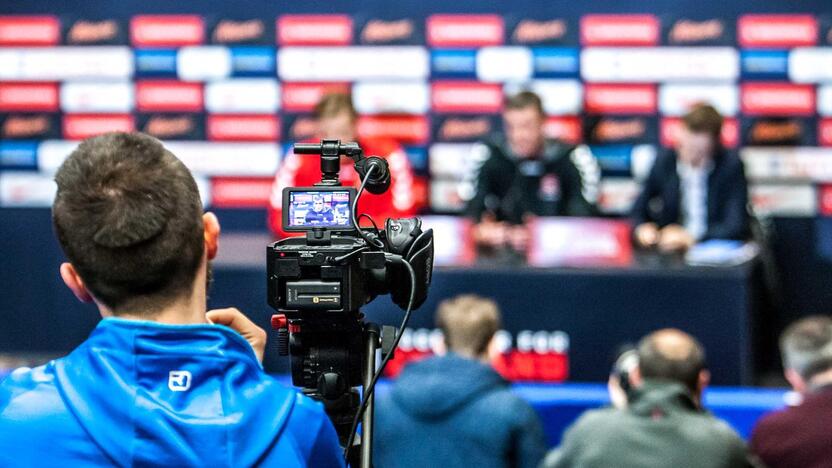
x=523 y=121
x=337 y=117
x=806 y=347
x=469 y=324
x=699 y=136
x=128 y=216
x=673 y=355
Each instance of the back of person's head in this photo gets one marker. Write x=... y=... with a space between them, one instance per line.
x=524 y=100
x=128 y=216
x=334 y=104
x=469 y=323
x=806 y=346
x=704 y=118
x=672 y=355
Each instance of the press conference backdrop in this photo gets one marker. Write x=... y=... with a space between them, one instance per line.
x=230 y=85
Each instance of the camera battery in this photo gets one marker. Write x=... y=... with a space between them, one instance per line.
x=313 y=295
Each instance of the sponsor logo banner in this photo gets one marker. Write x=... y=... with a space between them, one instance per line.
x=352 y=63
x=444 y=196
x=203 y=63
x=825 y=196
x=302 y=97
x=464 y=97
x=29 y=126
x=250 y=61
x=227 y=159
x=504 y=64
x=677 y=99
x=242 y=31
x=825 y=100
x=777 y=31
x=24 y=189
x=404 y=129
x=299 y=127
x=555 y=62
x=553 y=31
x=241 y=192
x=314 y=30
x=97 y=97
x=783 y=200
x=377 y=31
x=765 y=64
x=657 y=64
x=465 y=30
x=29 y=31
x=560 y=97
x=670 y=126
x=453 y=63
x=81 y=126
x=617 y=195
x=156 y=63
x=601 y=130
x=175 y=96
x=825 y=132
x=579 y=242
x=166 y=30
x=243 y=127
x=391 y=98
x=620 y=99
x=810 y=65
x=565 y=128
x=172 y=126
x=18 y=155
x=711 y=31
x=778 y=131
x=452 y=160
x=804 y=163
x=243 y=96
x=464 y=127
x=95 y=32
x=66 y=63
x=623 y=30
x=29 y=97
x=777 y=99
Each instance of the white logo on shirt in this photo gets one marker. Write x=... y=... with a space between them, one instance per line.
x=179 y=380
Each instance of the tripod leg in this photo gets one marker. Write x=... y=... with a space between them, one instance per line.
x=372 y=343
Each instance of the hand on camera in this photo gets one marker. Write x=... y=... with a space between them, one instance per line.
x=237 y=321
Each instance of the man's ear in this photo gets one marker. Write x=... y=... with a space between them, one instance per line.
x=73 y=281
x=704 y=379
x=634 y=376
x=212 y=234
x=795 y=380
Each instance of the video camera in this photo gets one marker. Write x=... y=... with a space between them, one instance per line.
x=319 y=282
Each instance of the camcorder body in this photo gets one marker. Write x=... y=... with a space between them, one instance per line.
x=318 y=282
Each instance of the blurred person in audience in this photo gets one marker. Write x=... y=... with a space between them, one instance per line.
x=338 y=119
x=663 y=423
x=522 y=174
x=697 y=192
x=454 y=410
x=160 y=381
x=800 y=436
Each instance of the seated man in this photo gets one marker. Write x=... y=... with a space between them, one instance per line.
x=159 y=382
x=663 y=424
x=799 y=436
x=455 y=410
x=321 y=213
x=695 y=193
x=523 y=174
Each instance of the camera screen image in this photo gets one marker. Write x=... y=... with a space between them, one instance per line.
x=319 y=209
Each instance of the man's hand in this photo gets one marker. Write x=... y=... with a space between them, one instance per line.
x=518 y=237
x=490 y=233
x=675 y=238
x=237 y=321
x=647 y=235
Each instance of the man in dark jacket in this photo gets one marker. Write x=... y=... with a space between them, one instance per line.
x=455 y=410
x=159 y=382
x=799 y=436
x=663 y=424
x=521 y=174
x=695 y=193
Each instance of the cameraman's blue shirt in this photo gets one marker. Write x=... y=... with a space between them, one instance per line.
x=142 y=393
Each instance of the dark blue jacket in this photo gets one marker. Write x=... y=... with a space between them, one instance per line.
x=660 y=201
x=144 y=394
x=455 y=412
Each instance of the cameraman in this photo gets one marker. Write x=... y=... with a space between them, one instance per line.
x=159 y=381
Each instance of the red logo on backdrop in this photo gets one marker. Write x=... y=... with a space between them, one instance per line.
x=464 y=128
x=26 y=126
x=166 y=30
x=229 y=31
x=29 y=30
x=380 y=31
x=465 y=30
x=409 y=129
x=243 y=127
x=314 y=30
x=620 y=30
x=302 y=97
x=825 y=132
x=579 y=242
x=620 y=99
x=825 y=194
x=450 y=96
x=689 y=31
x=777 y=99
x=531 y=32
x=239 y=192
x=176 y=96
x=669 y=131
x=90 y=32
x=777 y=30
x=80 y=126
x=163 y=126
x=566 y=129
x=29 y=97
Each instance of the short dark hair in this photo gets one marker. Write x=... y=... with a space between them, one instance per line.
x=673 y=355
x=333 y=104
x=704 y=118
x=468 y=322
x=806 y=346
x=129 y=219
x=523 y=100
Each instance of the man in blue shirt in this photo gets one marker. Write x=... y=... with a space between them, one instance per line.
x=159 y=381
